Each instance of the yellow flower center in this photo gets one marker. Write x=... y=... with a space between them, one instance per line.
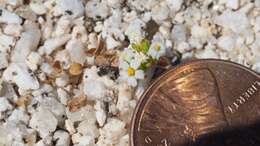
x=131 y=71
x=158 y=48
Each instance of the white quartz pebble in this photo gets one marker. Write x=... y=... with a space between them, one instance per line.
x=76 y=51
x=40 y=143
x=112 y=43
x=69 y=125
x=82 y=140
x=256 y=67
x=13 y=29
x=199 y=32
x=3 y=60
x=95 y=9
x=233 y=4
x=79 y=32
x=14 y=2
x=179 y=33
x=44 y=122
x=113 y=130
x=94 y=86
x=88 y=127
x=94 y=89
x=160 y=12
x=115 y=3
x=74 y=8
x=184 y=47
x=257 y=24
x=63 y=57
x=63 y=96
x=5 y=104
x=47 y=68
x=19 y=74
x=28 y=42
x=19 y=115
x=236 y=21
x=54 y=106
x=62 y=138
x=124 y=141
x=9 y=17
x=227 y=43
x=33 y=60
x=85 y=113
x=6 y=41
x=38 y=8
x=62 y=80
x=124 y=96
x=63 y=26
x=101 y=114
x=175 y=5
x=207 y=53
x=53 y=43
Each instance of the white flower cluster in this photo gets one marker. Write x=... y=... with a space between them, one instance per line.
x=139 y=56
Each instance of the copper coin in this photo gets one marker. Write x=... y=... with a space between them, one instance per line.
x=200 y=103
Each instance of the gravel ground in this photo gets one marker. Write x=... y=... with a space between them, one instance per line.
x=62 y=76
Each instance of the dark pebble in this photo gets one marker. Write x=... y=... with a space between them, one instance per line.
x=112 y=72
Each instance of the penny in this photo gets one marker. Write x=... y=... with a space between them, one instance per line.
x=200 y=103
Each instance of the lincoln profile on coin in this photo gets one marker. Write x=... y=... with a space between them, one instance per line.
x=195 y=113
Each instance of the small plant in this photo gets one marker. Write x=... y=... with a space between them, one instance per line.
x=139 y=56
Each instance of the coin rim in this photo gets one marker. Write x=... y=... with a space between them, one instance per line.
x=188 y=63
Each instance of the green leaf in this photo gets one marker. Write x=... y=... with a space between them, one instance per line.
x=136 y=47
x=145 y=45
x=144 y=66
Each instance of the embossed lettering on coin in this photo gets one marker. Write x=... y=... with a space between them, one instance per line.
x=244 y=97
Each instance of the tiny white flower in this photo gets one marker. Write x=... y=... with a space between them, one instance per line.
x=157 y=48
x=140 y=57
x=127 y=55
x=130 y=72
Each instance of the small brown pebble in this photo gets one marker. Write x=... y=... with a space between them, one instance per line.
x=57 y=67
x=76 y=103
x=75 y=69
x=151 y=29
x=23 y=101
x=102 y=60
x=27 y=2
x=91 y=52
x=75 y=80
x=164 y=62
x=106 y=59
x=115 y=61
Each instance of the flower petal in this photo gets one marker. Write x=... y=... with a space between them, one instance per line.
x=124 y=75
x=162 y=50
x=129 y=52
x=132 y=81
x=135 y=63
x=139 y=74
x=124 y=65
x=152 y=52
